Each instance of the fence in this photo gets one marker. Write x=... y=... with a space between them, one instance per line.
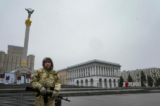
x=16 y=99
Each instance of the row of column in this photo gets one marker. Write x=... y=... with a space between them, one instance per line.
x=96 y=83
x=93 y=70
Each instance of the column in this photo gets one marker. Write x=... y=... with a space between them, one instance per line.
x=98 y=70
x=113 y=71
x=105 y=71
x=104 y=74
x=74 y=74
x=84 y=72
x=78 y=73
x=87 y=71
x=91 y=71
x=70 y=74
x=101 y=68
x=89 y=68
x=95 y=73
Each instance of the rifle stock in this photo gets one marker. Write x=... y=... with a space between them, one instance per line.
x=31 y=89
x=47 y=94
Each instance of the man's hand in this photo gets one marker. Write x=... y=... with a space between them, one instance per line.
x=42 y=90
x=54 y=94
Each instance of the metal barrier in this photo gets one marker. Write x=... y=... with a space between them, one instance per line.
x=16 y=99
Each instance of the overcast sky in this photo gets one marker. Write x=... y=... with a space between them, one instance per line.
x=75 y=31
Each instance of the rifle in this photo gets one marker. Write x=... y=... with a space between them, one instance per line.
x=58 y=100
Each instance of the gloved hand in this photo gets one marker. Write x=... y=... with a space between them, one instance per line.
x=42 y=90
x=54 y=94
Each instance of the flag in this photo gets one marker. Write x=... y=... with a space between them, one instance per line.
x=2 y=75
x=18 y=77
x=7 y=77
x=28 y=76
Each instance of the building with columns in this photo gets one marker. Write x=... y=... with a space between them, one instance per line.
x=136 y=74
x=94 y=73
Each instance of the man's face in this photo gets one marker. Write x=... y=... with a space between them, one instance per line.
x=47 y=64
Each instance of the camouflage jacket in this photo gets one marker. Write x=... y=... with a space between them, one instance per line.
x=45 y=78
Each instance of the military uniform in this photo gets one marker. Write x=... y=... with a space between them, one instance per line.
x=48 y=79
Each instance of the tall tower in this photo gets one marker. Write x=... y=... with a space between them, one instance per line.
x=23 y=71
x=25 y=49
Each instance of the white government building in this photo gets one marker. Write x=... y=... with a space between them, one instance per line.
x=94 y=73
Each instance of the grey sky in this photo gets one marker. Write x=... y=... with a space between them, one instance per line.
x=74 y=31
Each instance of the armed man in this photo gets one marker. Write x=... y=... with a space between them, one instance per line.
x=46 y=80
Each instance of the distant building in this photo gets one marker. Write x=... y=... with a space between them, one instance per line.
x=63 y=76
x=136 y=74
x=12 y=59
x=2 y=59
x=94 y=73
x=30 y=61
